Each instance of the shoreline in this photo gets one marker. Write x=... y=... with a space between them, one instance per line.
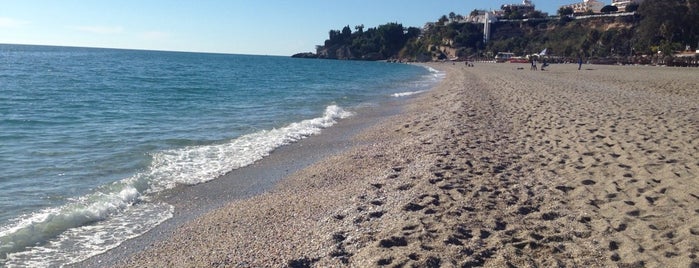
x=191 y=202
x=493 y=167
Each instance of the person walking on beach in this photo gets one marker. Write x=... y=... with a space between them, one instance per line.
x=533 y=67
x=579 y=62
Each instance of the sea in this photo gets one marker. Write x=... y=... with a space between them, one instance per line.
x=89 y=137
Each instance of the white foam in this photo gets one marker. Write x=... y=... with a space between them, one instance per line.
x=43 y=225
x=78 y=244
x=436 y=73
x=433 y=77
x=405 y=94
x=198 y=164
x=106 y=218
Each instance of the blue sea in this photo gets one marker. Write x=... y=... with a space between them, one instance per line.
x=89 y=137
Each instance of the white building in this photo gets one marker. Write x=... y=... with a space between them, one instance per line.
x=525 y=7
x=477 y=17
x=586 y=5
x=621 y=4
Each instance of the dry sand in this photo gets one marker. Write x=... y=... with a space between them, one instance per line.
x=495 y=167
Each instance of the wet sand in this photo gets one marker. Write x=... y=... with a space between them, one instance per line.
x=495 y=167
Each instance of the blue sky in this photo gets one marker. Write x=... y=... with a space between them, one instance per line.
x=260 y=27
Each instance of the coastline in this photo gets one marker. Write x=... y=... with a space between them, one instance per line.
x=191 y=202
x=493 y=167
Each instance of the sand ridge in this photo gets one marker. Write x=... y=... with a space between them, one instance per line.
x=495 y=167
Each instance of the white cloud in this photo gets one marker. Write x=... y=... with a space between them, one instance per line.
x=11 y=23
x=100 y=29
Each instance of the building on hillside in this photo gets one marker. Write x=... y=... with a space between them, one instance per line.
x=622 y=4
x=489 y=19
x=585 y=6
x=524 y=8
x=477 y=16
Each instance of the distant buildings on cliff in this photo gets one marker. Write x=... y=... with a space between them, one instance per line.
x=596 y=6
x=586 y=6
x=622 y=4
x=526 y=9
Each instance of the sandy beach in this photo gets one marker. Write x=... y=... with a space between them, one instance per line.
x=494 y=167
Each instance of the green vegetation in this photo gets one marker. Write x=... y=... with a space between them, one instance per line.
x=565 y=11
x=595 y=37
x=609 y=9
x=383 y=42
x=667 y=26
x=449 y=40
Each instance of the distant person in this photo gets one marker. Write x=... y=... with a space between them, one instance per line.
x=533 y=67
x=579 y=63
x=544 y=64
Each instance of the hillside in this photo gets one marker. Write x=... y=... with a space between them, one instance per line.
x=593 y=37
x=656 y=29
x=599 y=37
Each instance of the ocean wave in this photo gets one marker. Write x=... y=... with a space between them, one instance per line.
x=79 y=243
x=198 y=164
x=428 y=80
x=99 y=221
x=405 y=94
x=436 y=73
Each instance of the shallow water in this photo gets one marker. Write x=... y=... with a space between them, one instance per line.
x=89 y=136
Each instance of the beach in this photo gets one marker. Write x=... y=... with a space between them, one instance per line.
x=495 y=167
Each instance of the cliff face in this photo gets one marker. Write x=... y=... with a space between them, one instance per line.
x=337 y=52
x=523 y=28
x=594 y=37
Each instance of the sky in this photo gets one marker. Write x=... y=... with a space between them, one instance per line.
x=256 y=27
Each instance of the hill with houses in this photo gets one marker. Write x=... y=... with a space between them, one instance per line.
x=626 y=31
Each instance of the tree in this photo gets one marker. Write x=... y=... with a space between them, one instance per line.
x=393 y=38
x=692 y=18
x=565 y=11
x=333 y=38
x=468 y=35
x=632 y=7
x=474 y=13
x=664 y=23
x=359 y=29
x=452 y=16
x=609 y=9
x=535 y=15
x=515 y=15
x=564 y=20
x=412 y=32
x=443 y=20
x=346 y=34
x=593 y=35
